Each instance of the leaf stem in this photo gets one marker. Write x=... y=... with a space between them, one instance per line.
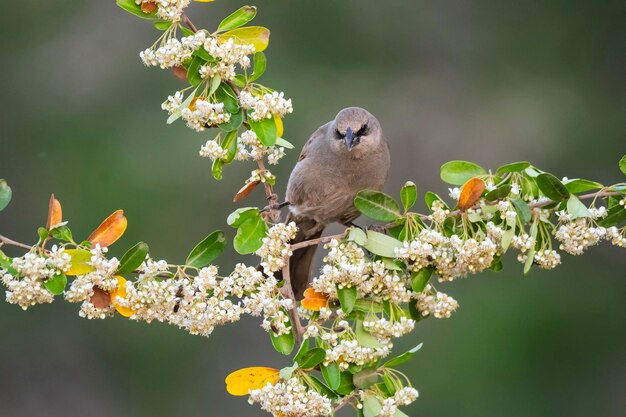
x=287 y=291
x=6 y=241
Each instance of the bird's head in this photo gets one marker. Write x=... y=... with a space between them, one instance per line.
x=355 y=129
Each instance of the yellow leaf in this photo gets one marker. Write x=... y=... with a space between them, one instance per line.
x=280 y=129
x=80 y=257
x=256 y=35
x=55 y=213
x=471 y=192
x=242 y=381
x=121 y=292
x=111 y=229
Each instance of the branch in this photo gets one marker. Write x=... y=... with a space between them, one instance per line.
x=287 y=291
x=6 y=241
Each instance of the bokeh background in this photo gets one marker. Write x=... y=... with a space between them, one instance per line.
x=487 y=81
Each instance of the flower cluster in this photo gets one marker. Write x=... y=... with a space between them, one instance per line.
x=173 y=52
x=265 y=106
x=26 y=286
x=346 y=266
x=100 y=280
x=276 y=249
x=403 y=396
x=384 y=329
x=167 y=9
x=202 y=114
x=452 y=256
x=248 y=146
x=291 y=398
x=438 y=304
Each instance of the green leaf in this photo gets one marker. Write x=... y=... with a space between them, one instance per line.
x=512 y=167
x=364 y=337
x=367 y=306
x=304 y=348
x=399 y=413
x=357 y=236
x=265 y=131
x=580 y=186
x=365 y=378
x=347 y=298
x=133 y=258
x=615 y=215
x=217 y=168
x=5 y=194
x=62 y=232
x=459 y=172
x=391 y=389
x=576 y=208
x=250 y=235
x=193 y=71
x=331 y=375
x=522 y=209
x=237 y=217
x=622 y=164
x=236 y=120
x=288 y=371
x=282 y=142
x=260 y=64
x=312 y=358
x=552 y=187
x=346 y=386
x=185 y=104
x=207 y=250
x=499 y=193
x=400 y=359
x=377 y=205
x=371 y=406
x=237 y=19
x=131 y=7
x=43 y=234
x=225 y=94
x=230 y=144
x=163 y=25
x=56 y=284
x=322 y=388
x=284 y=343
x=380 y=244
x=408 y=195
x=420 y=278
x=430 y=198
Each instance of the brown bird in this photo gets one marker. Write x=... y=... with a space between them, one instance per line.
x=341 y=158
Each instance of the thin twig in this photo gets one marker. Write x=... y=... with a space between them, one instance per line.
x=185 y=19
x=5 y=240
x=323 y=239
x=287 y=291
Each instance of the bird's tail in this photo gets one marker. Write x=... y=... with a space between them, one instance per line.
x=301 y=262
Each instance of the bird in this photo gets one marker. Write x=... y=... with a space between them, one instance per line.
x=341 y=158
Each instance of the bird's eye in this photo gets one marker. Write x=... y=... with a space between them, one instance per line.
x=338 y=134
x=364 y=130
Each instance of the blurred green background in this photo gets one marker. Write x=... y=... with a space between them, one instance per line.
x=487 y=81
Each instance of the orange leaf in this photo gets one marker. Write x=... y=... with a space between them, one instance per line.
x=111 y=229
x=314 y=300
x=55 y=213
x=121 y=292
x=148 y=7
x=471 y=192
x=242 y=381
x=245 y=191
x=100 y=298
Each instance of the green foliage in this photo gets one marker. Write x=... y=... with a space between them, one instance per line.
x=552 y=187
x=237 y=19
x=5 y=194
x=377 y=205
x=459 y=172
x=251 y=229
x=133 y=258
x=207 y=250
x=265 y=131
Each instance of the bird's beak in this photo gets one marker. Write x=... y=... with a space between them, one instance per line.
x=349 y=138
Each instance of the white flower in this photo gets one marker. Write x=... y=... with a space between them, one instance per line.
x=438 y=304
x=291 y=398
x=266 y=106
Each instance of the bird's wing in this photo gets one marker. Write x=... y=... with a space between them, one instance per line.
x=317 y=135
